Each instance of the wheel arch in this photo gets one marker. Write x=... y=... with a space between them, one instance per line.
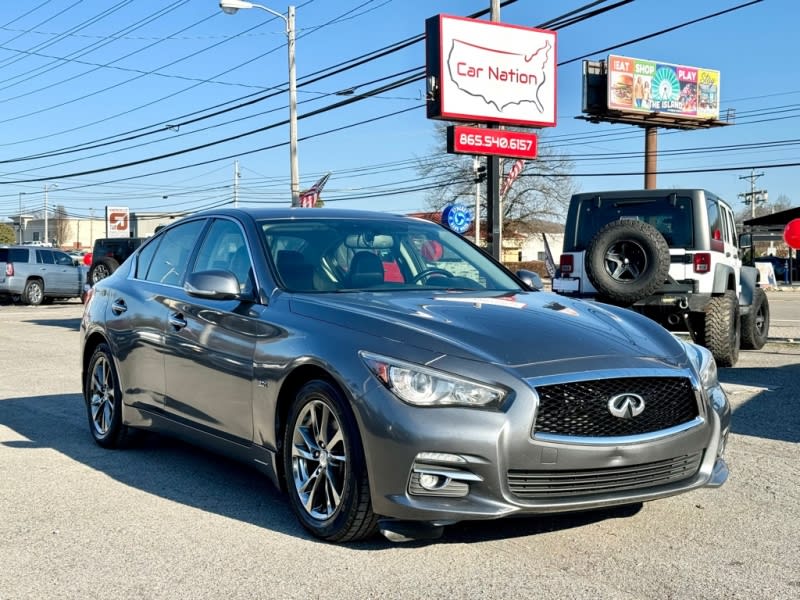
x=91 y=344
x=724 y=279
x=748 y=279
x=289 y=388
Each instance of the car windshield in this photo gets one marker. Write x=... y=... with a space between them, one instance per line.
x=341 y=255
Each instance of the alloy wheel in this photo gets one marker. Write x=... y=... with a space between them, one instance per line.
x=625 y=261
x=319 y=460
x=101 y=390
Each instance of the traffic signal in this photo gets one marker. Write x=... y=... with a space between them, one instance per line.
x=480 y=174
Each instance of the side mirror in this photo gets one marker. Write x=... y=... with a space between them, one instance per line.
x=214 y=285
x=746 y=240
x=531 y=279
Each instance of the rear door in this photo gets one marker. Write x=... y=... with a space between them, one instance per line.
x=54 y=280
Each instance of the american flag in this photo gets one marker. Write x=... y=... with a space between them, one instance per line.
x=549 y=263
x=310 y=197
x=512 y=175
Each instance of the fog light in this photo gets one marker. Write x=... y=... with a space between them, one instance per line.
x=431 y=482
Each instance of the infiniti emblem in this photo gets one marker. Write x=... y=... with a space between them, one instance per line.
x=626 y=406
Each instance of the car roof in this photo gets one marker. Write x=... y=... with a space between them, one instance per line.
x=304 y=213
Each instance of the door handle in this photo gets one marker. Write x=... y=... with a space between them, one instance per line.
x=177 y=321
x=119 y=307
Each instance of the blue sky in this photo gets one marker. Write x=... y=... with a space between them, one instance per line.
x=77 y=73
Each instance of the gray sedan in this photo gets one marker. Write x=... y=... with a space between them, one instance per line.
x=391 y=376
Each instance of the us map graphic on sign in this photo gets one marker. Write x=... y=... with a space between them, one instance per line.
x=502 y=78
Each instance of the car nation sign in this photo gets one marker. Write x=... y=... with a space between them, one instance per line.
x=482 y=71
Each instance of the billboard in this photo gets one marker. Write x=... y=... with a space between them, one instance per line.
x=118 y=222
x=488 y=72
x=646 y=86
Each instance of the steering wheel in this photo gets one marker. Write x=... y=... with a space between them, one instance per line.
x=428 y=272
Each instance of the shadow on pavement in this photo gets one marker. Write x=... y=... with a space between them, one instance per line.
x=194 y=477
x=766 y=415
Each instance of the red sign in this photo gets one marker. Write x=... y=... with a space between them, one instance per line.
x=496 y=142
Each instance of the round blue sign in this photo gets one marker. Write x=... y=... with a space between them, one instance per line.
x=457 y=217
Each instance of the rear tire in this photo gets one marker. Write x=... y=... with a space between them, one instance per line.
x=104 y=401
x=33 y=294
x=723 y=329
x=755 y=324
x=102 y=269
x=324 y=467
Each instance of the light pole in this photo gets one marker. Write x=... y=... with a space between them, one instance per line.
x=47 y=187
x=230 y=7
x=19 y=218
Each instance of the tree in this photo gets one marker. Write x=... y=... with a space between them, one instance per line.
x=62 y=229
x=782 y=202
x=7 y=234
x=541 y=192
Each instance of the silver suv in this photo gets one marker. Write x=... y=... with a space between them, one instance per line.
x=671 y=255
x=37 y=274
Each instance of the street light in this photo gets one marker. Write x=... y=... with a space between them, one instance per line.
x=19 y=217
x=46 y=187
x=230 y=7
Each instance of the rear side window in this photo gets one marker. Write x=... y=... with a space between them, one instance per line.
x=45 y=257
x=14 y=255
x=170 y=260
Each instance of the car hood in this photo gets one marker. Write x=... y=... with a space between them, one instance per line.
x=512 y=329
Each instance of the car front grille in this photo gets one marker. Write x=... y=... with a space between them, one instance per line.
x=582 y=408
x=529 y=485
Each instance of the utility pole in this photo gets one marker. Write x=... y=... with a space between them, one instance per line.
x=46 y=232
x=476 y=165
x=236 y=184
x=494 y=205
x=754 y=196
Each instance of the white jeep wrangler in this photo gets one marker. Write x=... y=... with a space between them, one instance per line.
x=671 y=255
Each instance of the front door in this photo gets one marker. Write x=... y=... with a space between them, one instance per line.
x=209 y=366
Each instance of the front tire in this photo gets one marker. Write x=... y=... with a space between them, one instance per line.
x=324 y=467
x=104 y=401
x=755 y=324
x=723 y=328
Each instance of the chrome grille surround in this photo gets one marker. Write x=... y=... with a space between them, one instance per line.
x=575 y=409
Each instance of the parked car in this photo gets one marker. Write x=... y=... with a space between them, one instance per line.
x=457 y=392
x=671 y=255
x=38 y=274
x=108 y=254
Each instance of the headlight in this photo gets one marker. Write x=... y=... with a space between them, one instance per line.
x=421 y=386
x=706 y=367
x=704 y=362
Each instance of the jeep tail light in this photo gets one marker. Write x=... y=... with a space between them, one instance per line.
x=567 y=263
x=9 y=269
x=701 y=261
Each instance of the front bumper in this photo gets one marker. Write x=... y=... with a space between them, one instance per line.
x=489 y=465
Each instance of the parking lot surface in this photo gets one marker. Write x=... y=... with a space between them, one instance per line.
x=166 y=520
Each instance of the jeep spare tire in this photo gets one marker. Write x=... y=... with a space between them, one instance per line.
x=627 y=260
x=102 y=269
